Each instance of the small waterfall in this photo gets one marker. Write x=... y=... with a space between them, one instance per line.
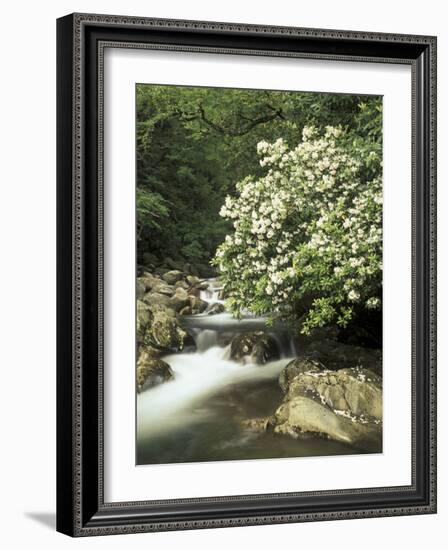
x=206 y=339
x=212 y=294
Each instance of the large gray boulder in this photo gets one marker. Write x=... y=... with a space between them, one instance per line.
x=344 y=405
x=356 y=392
x=302 y=415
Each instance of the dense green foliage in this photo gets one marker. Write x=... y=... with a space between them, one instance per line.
x=194 y=144
x=193 y=147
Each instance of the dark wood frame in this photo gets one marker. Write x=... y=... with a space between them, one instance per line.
x=81 y=39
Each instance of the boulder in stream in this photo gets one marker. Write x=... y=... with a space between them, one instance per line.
x=197 y=305
x=165 y=332
x=254 y=347
x=152 y=371
x=345 y=405
x=298 y=366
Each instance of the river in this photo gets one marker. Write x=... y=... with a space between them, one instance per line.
x=199 y=415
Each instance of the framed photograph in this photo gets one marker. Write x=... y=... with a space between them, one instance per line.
x=246 y=274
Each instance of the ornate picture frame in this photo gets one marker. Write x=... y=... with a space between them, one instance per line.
x=81 y=506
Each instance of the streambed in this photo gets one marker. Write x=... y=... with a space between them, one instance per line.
x=199 y=415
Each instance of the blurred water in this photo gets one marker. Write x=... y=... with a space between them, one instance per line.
x=199 y=415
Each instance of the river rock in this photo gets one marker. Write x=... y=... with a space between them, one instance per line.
x=254 y=347
x=179 y=300
x=165 y=332
x=163 y=288
x=216 y=308
x=186 y=311
x=140 y=289
x=354 y=392
x=171 y=277
x=192 y=280
x=345 y=405
x=202 y=285
x=298 y=366
x=154 y=300
x=152 y=371
x=302 y=415
x=148 y=281
x=144 y=318
x=197 y=305
x=182 y=284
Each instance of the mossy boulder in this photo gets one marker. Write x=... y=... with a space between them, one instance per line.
x=148 y=281
x=173 y=276
x=165 y=332
x=144 y=318
x=154 y=299
x=163 y=288
x=158 y=328
x=152 y=371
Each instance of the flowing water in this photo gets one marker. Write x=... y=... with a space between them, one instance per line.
x=199 y=415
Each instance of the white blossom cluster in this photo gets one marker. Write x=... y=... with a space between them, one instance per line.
x=311 y=226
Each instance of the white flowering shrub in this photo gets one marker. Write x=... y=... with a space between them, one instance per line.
x=307 y=236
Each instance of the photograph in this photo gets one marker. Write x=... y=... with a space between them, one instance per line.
x=246 y=272
x=259 y=276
